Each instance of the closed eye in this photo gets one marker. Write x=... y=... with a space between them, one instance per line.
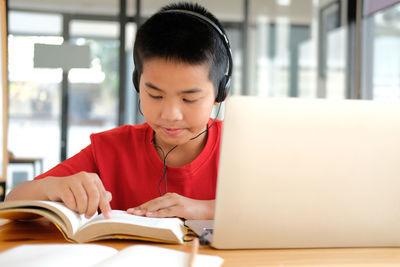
x=189 y=100
x=155 y=96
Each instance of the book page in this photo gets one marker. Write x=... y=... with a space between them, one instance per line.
x=76 y=220
x=60 y=255
x=69 y=221
x=120 y=216
x=152 y=256
x=123 y=224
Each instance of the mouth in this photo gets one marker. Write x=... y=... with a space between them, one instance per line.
x=172 y=131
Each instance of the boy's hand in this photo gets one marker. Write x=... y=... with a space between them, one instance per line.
x=174 y=205
x=83 y=192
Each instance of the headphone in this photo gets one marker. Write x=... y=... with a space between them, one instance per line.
x=224 y=84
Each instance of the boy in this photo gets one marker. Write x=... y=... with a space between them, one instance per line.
x=166 y=167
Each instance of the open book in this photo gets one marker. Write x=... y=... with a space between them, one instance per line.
x=67 y=255
x=77 y=228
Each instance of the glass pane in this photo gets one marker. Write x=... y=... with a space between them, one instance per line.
x=382 y=80
x=281 y=59
x=93 y=93
x=34 y=102
x=307 y=69
x=34 y=23
x=84 y=28
x=336 y=64
x=131 y=111
x=131 y=8
x=96 y=7
x=296 y=49
x=332 y=42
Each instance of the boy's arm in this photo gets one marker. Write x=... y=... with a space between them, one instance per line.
x=27 y=190
x=73 y=182
x=83 y=192
x=174 y=205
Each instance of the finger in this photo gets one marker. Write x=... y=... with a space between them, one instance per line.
x=173 y=211
x=150 y=205
x=67 y=197
x=80 y=195
x=108 y=196
x=168 y=200
x=93 y=193
x=105 y=209
x=136 y=211
x=105 y=198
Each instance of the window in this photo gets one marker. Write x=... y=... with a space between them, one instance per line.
x=93 y=92
x=381 y=57
x=34 y=101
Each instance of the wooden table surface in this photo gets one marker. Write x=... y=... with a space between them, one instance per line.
x=42 y=231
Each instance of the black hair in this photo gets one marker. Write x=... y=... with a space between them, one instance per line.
x=187 y=39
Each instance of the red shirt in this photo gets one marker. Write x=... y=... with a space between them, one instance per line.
x=131 y=169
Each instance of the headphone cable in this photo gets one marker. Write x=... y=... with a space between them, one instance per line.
x=164 y=175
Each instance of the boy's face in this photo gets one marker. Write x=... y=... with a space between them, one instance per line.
x=177 y=99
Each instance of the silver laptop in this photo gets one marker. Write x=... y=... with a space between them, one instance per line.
x=298 y=173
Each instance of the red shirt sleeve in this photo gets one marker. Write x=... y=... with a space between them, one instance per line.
x=83 y=161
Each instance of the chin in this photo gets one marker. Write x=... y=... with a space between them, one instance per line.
x=174 y=140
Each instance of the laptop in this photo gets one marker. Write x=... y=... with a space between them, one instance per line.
x=307 y=173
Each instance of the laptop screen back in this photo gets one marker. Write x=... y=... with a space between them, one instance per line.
x=308 y=173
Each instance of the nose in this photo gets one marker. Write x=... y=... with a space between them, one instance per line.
x=171 y=112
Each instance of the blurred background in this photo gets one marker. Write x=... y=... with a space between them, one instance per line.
x=342 y=49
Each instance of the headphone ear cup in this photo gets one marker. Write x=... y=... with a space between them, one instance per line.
x=135 y=80
x=223 y=89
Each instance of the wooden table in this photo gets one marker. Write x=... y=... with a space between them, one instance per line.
x=42 y=231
